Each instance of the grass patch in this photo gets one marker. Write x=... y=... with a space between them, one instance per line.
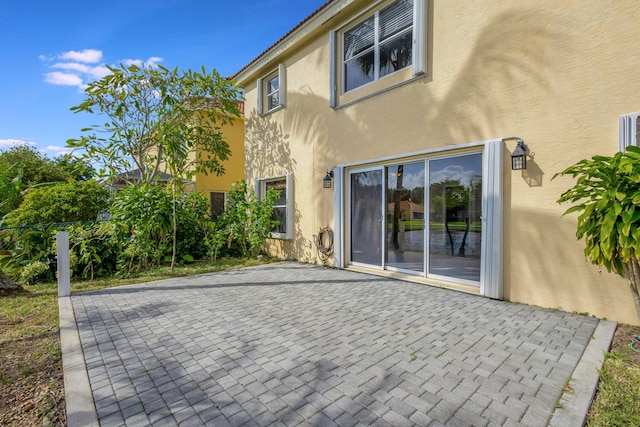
x=618 y=400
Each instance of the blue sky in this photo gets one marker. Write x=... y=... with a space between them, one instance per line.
x=49 y=50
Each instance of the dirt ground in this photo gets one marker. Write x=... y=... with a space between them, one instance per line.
x=31 y=382
x=624 y=336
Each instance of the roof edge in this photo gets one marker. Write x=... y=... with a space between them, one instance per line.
x=312 y=22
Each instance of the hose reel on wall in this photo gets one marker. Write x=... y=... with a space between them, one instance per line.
x=324 y=243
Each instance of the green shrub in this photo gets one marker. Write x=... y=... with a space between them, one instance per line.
x=94 y=250
x=142 y=217
x=66 y=202
x=607 y=195
x=245 y=225
x=33 y=256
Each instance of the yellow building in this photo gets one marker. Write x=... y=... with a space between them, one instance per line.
x=216 y=187
x=423 y=101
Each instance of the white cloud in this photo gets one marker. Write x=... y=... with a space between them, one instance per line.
x=99 y=72
x=77 y=71
x=55 y=148
x=8 y=143
x=151 y=62
x=95 y=72
x=63 y=79
x=73 y=66
x=87 y=56
x=154 y=60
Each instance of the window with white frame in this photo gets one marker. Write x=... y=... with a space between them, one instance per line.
x=378 y=45
x=272 y=91
x=283 y=206
x=629 y=129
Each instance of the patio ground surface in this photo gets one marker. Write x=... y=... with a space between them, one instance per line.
x=296 y=344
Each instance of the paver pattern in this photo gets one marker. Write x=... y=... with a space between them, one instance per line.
x=296 y=344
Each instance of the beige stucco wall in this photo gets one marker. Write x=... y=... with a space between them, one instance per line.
x=234 y=166
x=555 y=73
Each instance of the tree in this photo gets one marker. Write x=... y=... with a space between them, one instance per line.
x=158 y=117
x=23 y=166
x=74 y=168
x=607 y=193
x=63 y=202
x=10 y=188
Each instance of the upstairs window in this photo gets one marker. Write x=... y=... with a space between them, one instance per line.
x=272 y=91
x=380 y=45
x=378 y=50
x=629 y=130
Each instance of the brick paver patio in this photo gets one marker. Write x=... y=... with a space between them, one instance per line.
x=295 y=344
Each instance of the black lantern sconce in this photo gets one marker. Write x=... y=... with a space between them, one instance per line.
x=519 y=155
x=326 y=181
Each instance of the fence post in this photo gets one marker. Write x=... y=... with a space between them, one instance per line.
x=64 y=276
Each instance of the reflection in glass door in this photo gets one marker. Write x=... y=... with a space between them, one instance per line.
x=455 y=209
x=366 y=217
x=405 y=216
x=422 y=217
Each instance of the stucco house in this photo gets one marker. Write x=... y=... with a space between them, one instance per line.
x=425 y=101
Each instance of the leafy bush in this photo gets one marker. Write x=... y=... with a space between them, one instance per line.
x=607 y=192
x=245 y=225
x=23 y=166
x=138 y=234
x=33 y=256
x=94 y=249
x=143 y=219
x=67 y=202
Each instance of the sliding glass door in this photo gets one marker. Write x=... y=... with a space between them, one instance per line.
x=422 y=217
x=367 y=217
x=405 y=216
x=455 y=212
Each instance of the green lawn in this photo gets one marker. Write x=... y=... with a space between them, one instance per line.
x=617 y=402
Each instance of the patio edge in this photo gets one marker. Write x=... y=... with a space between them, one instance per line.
x=80 y=407
x=576 y=399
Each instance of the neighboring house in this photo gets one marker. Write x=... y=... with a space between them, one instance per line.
x=419 y=100
x=216 y=187
x=134 y=177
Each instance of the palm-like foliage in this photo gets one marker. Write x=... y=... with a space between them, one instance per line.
x=607 y=193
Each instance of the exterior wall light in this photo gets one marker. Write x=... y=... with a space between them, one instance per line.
x=519 y=155
x=326 y=181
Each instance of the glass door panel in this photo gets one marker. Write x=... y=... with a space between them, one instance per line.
x=455 y=209
x=366 y=217
x=405 y=216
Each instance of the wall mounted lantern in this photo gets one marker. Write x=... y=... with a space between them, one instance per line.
x=326 y=181
x=519 y=155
